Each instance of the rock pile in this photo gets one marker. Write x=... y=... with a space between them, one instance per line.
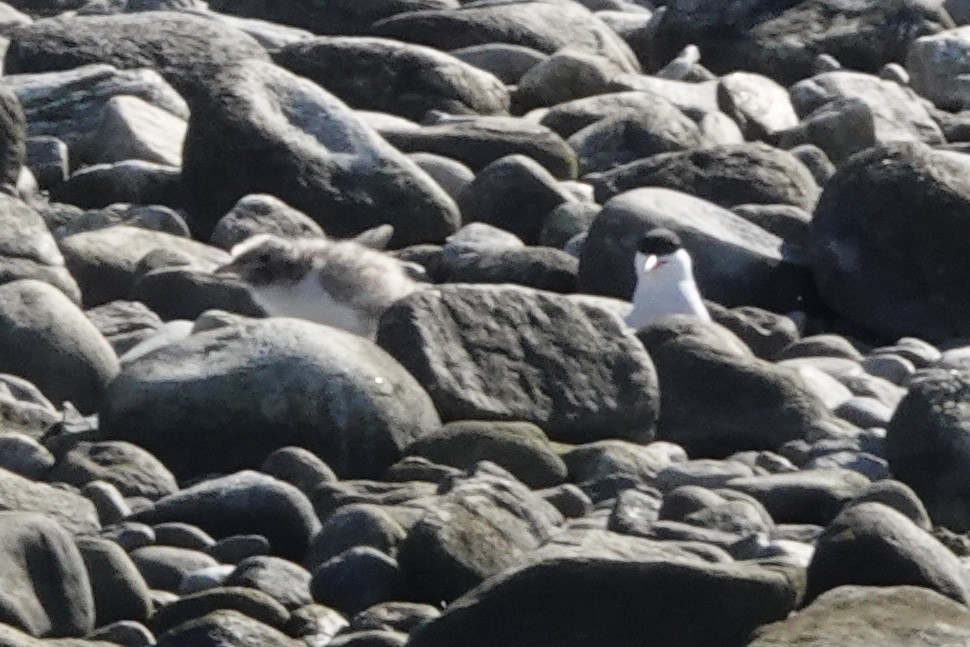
x=506 y=463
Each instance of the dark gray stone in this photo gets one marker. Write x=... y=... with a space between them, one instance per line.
x=879 y=266
x=716 y=398
x=773 y=40
x=508 y=353
x=321 y=387
x=48 y=341
x=389 y=76
x=519 y=447
x=870 y=544
x=562 y=602
x=903 y=616
x=47 y=592
x=246 y=502
x=120 y=592
x=725 y=175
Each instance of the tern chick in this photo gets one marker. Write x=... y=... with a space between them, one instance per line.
x=342 y=284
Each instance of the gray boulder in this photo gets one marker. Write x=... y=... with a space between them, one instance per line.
x=725 y=175
x=226 y=626
x=716 y=398
x=106 y=261
x=870 y=544
x=73 y=512
x=927 y=448
x=394 y=77
x=261 y=129
x=509 y=353
x=514 y=193
x=262 y=214
x=937 y=64
x=354 y=17
x=186 y=49
x=70 y=104
x=544 y=26
x=479 y=141
x=13 y=136
x=484 y=524
x=630 y=135
x=120 y=592
x=879 y=265
x=569 y=601
x=760 y=106
x=519 y=447
x=898 y=113
x=28 y=251
x=569 y=117
x=132 y=128
x=329 y=391
x=128 y=467
x=772 y=40
x=47 y=592
x=242 y=503
x=46 y=339
x=902 y=616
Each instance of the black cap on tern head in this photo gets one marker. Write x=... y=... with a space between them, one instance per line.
x=659 y=242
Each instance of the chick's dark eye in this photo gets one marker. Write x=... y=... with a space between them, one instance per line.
x=263 y=258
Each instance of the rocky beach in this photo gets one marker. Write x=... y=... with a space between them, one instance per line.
x=504 y=462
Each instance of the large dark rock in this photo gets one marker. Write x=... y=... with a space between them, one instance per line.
x=902 y=616
x=246 y=502
x=186 y=292
x=106 y=262
x=541 y=268
x=340 y=17
x=261 y=129
x=389 y=76
x=544 y=26
x=45 y=338
x=128 y=467
x=772 y=39
x=186 y=49
x=519 y=447
x=483 y=525
x=28 y=251
x=716 y=398
x=264 y=385
x=928 y=445
x=120 y=592
x=805 y=497
x=630 y=135
x=46 y=588
x=886 y=242
x=571 y=116
x=871 y=544
x=509 y=353
x=575 y=602
x=735 y=262
x=477 y=142
x=514 y=193
x=725 y=175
